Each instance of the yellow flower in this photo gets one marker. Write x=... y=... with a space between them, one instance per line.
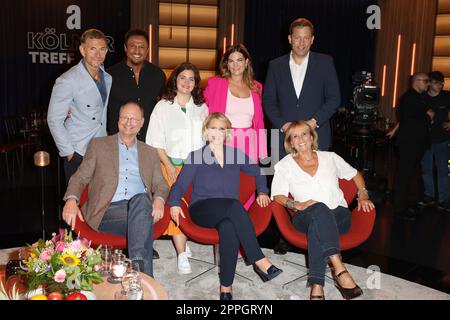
x=70 y=260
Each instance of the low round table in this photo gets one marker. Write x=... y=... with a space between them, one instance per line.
x=152 y=289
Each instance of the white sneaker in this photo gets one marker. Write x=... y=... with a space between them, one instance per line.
x=188 y=251
x=184 y=266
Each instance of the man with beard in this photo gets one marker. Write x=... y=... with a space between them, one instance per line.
x=134 y=80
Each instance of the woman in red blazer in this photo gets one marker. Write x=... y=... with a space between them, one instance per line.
x=236 y=94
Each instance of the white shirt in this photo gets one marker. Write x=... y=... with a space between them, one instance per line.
x=298 y=72
x=176 y=132
x=322 y=187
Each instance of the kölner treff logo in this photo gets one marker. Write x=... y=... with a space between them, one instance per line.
x=50 y=47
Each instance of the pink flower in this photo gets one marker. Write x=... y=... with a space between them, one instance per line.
x=77 y=245
x=44 y=256
x=35 y=245
x=60 y=246
x=60 y=276
x=97 y=267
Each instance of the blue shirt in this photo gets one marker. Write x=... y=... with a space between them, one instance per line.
x=130 y=181
x=101 y=85
x=210 y=180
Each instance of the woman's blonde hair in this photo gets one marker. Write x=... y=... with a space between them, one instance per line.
x=216 y=116
x=287 y=139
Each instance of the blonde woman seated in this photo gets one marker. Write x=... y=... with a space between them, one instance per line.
x=214 y=171
x=312 y=178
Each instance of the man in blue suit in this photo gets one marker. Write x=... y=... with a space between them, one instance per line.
x=77 y=108
x=302 y=85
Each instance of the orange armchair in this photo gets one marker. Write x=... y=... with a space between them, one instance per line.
x=259 y=216
x=116 y=241
x=360 y=230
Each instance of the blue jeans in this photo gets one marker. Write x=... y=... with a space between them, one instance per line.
x=133 y=219
x=438 y=151
x=323 y=227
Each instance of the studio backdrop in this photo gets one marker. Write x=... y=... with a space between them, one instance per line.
x=39 y=41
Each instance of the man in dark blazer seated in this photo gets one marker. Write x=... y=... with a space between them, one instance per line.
x=301 y=85
x=126 y=190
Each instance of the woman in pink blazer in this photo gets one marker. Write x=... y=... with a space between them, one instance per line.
x=236 y=94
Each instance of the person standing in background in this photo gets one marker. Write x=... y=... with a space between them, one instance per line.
x=237 y=94
x=175 y=130
x=134 y=80
x=77 y=108
x=301 y=85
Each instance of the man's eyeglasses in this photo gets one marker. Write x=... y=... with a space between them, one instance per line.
x=424 y=80
x=131 y=119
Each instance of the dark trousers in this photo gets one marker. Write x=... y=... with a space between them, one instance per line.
x=70 y=167
x=133 y=219
x=235 y=228
x=410 y=156
x=323 y=227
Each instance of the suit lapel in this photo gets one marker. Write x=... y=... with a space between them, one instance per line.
x=286 y=73
x=87 y=80
x=309 y=74
x=115 y=157
x=143 y=164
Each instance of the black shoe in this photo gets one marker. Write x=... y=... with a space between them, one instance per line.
x=226 y=296
x=282 y=247
x=444 y=206
x=347 y=293
x=426 y=201
x=155 y=254
x=272 y=272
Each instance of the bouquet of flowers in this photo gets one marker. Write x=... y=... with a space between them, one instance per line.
x=62 y=264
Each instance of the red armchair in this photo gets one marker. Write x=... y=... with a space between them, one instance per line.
x=360 y=230
x=259 y=216
x=116 y=241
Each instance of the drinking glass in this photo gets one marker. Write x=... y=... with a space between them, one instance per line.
x=106 y=253
x=119 y=268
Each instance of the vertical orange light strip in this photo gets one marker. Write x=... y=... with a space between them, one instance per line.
x=413 y=58
x=232 y=34
x=383 y=81
x=150 y=47
x=224 y=44
x=397 y=61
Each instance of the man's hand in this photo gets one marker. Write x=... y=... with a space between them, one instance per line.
x=158 y=210
x=312 y=123
x=69 y=157
x=304 y=205
x=70 y=213
x=285 y=126
x=430 y=113
x=175 y=214
x=446 y=125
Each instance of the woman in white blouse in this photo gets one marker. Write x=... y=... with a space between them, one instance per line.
x=312 y=178
x=175 y=130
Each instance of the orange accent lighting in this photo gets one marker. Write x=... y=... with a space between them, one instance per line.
x=224 y=44
x=383 y=82
x=397 y=61
x=232 y=34
x=150 y=40
x=413 y=58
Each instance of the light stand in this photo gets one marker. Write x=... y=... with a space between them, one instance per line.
x=41 y=160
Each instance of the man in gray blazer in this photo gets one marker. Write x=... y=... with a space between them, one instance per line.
x=302 y=85
x=126 y=192
x=77 y=108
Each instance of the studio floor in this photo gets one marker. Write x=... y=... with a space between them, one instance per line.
x=416 y=251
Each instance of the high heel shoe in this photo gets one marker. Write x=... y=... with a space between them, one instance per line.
x=272 y=272
x=226 y=296
x=347 y=293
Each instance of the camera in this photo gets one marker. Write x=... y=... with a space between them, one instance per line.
x=365 y=99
